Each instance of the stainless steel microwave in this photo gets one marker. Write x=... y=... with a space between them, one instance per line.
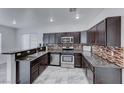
x=67 y=39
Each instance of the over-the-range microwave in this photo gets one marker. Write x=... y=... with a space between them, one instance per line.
x=67 y=39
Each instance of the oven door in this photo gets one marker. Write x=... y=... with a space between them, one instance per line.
x=67 y=59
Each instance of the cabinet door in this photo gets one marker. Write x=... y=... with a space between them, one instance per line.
x=34 y=70
x=78 y=60
x=91 y=35
x=58 y=38
x=43 y=63
x=88 y=37
x=44 y=60
x=34 y=75
x=76 y=37
x=93 y=30
x=101 y=33
x=45 y=38
x=51 y=38
x=41 y=68
x=114 y=31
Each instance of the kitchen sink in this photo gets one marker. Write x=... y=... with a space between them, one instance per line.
x=28 y=58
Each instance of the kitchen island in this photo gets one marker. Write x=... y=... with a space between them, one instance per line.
x=98 y=70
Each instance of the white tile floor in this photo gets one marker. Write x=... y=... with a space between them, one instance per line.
x=58 y=75
x=53 y=75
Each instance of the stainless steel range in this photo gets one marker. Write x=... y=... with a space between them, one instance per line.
x=67 y=58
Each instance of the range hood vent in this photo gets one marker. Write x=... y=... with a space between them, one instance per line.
x=72 y=9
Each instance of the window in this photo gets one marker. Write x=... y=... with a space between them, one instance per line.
x=0 y=42
x=29 y=41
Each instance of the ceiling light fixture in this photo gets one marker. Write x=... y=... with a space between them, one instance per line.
x=51 y=19
x=77 y=16
x=14 y=22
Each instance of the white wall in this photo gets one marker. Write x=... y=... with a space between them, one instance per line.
x=47 y=29
x=36 y=31
x=8 y=39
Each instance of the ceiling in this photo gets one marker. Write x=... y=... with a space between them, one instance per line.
x=29 y=17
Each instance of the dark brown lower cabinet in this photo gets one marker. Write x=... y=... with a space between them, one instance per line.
x=34 y=70
x=41 y=68
x=34 y=75
x=102 y=75
x=38 y=66
x=78 y=60
x=28 y=71
x=108 y=76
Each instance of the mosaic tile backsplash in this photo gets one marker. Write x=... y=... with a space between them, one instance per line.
x=77 y=47
x=113 y=55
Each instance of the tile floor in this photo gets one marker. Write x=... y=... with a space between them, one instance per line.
x=54 y=75
x=58 y=75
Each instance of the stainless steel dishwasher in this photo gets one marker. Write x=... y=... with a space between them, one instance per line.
x=55 y=59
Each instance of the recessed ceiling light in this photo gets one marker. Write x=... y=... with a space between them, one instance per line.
x=77 y=16
x=51 y=19
x=14 y=22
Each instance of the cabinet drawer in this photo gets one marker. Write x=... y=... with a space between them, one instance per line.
x=41 y=69
x=34 y=75
x=34 y=68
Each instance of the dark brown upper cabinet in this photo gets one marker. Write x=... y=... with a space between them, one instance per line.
x=45 y=38
x=106 y=33
x=93 y=30
x=58 y=38
x=91 y=35
x=113 y=31
x=101 y=33
x=52 y=38
x=49 y=38
x=76 y=36
x=55 y=38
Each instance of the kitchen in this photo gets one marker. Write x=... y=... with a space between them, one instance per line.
x=85 y=42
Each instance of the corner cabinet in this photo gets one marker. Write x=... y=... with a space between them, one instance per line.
x=101 y=75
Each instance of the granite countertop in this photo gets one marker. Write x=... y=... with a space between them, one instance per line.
x=93 y=59
x=96 y=61
x=60 y=51
x=37 y=55
x=32 y=57
x=14 y=51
